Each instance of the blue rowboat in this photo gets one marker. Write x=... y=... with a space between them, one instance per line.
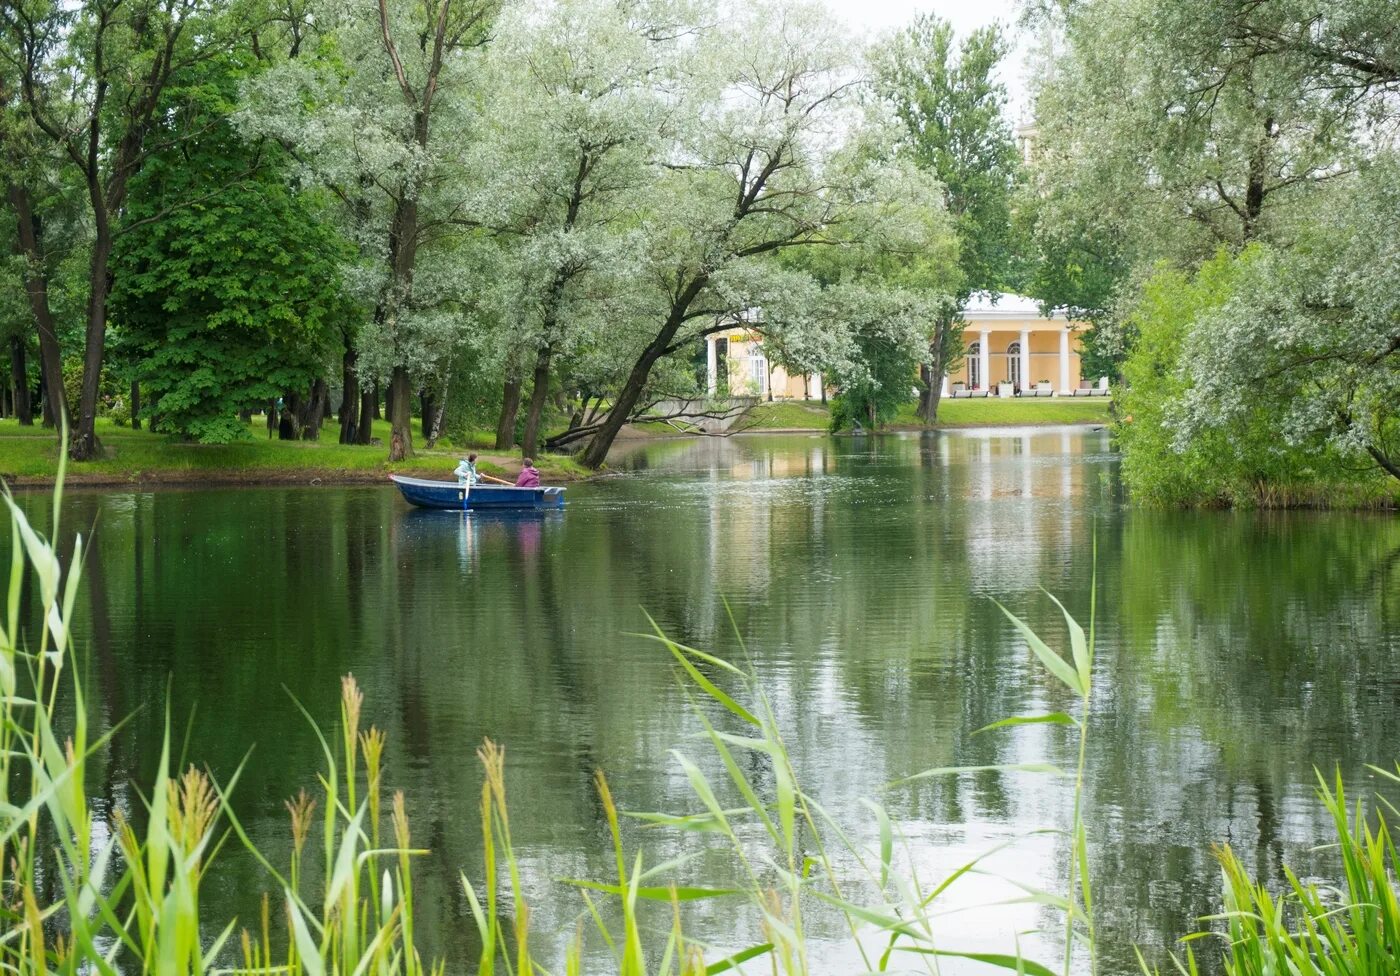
x=447 y=494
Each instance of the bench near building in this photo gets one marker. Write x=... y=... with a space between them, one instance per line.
x=1012 y=350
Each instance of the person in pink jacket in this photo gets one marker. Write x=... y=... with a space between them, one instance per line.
x=529 y=476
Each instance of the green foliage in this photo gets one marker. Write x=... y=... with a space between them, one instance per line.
x=951 y=109
x=1184 y=368
x=228 y=286
x=1307 y=344
x=473 y=397
x=1166 y=132
x=1221 y=466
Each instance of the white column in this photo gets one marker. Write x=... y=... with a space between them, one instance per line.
x=1064 y=362
x=984 y=356
x=711 y=365
x=1027 y=383
x=944 y=389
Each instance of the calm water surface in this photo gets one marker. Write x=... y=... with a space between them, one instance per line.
x=1236 y=651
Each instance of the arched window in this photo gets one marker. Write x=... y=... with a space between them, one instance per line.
x=1013 y=364
x=974 y=366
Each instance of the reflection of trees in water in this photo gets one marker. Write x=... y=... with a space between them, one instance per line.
x=1235 y=652
x=1249 y=649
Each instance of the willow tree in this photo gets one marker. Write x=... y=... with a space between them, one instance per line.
x=378 y=114
x=742 y=180
x=1187 y=136
x=573 y=128
x=1307 y=345
x=1162 y=135
x=30 y=173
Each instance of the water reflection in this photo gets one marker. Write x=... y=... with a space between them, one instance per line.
x=1236 y=651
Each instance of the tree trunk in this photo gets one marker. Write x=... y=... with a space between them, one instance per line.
x=934 y=396
x=428 y=405
x=510 y=406
x=369 y=399
x=46 y=402
x=1255 y=183
x=434 y=419
x=349 y=397
x=315 y=410
x=539 y=392
x=378 y=398
x=933 y=372
x=136 y=405
x=926 y=378
x=601 y=442
x=84 y=445
x=435 y=424
x=36 y=285
x=289 y=423
x=19 y=369
x=401 y=437
x=576 y=419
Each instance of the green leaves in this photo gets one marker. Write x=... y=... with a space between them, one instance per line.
x=1076 y=677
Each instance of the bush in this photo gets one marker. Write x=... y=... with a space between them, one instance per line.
x=1244 y=461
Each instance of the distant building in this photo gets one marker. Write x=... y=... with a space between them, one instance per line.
x=1012 y=349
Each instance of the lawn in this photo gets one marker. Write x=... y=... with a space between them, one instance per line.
x=991 y=412
x=787 y=415
x=29 y=455
x=1013 y=412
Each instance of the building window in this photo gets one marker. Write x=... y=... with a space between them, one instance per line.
x=758 y=367
x=974 y=366
x=1013 y=364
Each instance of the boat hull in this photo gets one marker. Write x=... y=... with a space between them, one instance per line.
x=454 y=497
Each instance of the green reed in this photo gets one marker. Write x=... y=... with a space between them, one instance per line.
x=1351 y=929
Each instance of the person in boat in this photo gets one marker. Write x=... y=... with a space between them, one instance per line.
x=529 y=476
x=466 y=471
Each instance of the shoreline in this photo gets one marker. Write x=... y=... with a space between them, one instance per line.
x=558 y=470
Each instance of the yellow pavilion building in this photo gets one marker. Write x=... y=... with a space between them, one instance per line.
x=1012 y=350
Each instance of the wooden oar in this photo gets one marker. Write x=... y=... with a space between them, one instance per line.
x=487 y=477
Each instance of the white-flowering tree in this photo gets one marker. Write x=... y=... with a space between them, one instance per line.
x=381 y=113
x=580 y=98
x=1308 y=343
x=753 y=171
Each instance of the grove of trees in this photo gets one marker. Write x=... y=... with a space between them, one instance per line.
x=521 y=215
x=525 y=216
x=1216 y=187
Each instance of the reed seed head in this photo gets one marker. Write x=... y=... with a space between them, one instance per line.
x=302 y=808
x=193 y=805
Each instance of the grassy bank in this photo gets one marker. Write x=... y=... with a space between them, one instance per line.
x=989 y=412
x=29 y=457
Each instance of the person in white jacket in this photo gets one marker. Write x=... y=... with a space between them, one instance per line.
x=466 y=471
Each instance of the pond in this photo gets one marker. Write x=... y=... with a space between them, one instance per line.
x=1236 y=652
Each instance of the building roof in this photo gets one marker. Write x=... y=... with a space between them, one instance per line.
x=984 y=306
